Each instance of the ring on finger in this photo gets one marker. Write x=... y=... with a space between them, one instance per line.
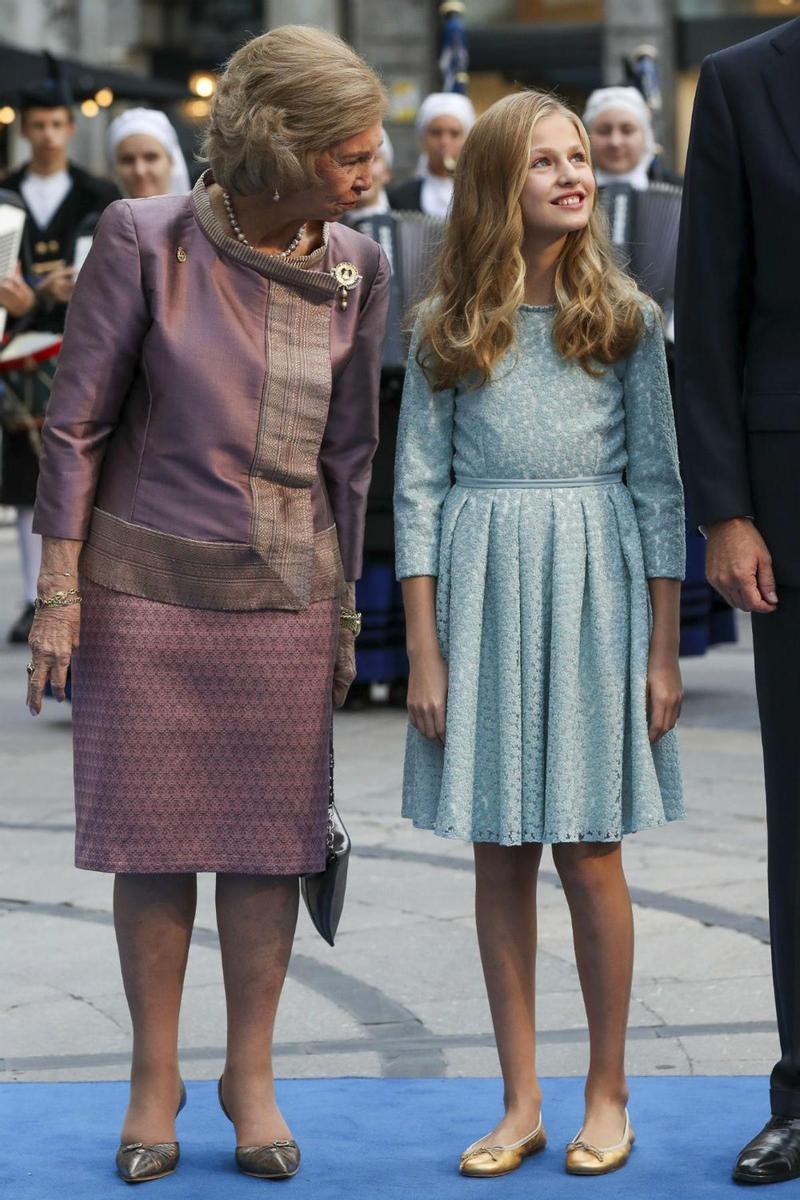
x=30 y=669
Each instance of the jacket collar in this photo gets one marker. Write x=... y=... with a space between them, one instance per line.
x=782 y=79
x=786 y=36
x=271 y=265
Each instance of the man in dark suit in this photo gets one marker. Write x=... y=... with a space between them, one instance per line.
x=62 y=201
x=738 y=375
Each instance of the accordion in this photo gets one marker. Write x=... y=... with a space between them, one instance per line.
x=644 y=228
x=411 y=242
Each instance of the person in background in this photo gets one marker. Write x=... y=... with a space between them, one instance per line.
x=443 y=121
x=624 y=148
x=624 y=151
x=380 y=651
x=375 y=202
x=145 y=154
x=60 y=198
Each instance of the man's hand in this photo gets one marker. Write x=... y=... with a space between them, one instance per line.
x=15 y=295
x=739 y=566
x=58 y=285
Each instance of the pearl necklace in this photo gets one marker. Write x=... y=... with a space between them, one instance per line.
x=290 y=249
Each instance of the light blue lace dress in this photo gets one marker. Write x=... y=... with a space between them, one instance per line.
x=513 y=496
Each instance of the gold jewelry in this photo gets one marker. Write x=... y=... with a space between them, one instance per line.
x=347 y=276
x=30 y=669
x=350 y=619
x=61 y=599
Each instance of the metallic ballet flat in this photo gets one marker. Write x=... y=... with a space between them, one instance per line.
x=481 y=1161
x=583 y=1159
x=275 y=1160
x=138 y=1163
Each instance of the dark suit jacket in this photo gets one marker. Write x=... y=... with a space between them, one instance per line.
x=406 y=197
x=78 y=212
x=738 y=294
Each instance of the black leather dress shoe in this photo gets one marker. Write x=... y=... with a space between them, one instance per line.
x=773 y=1156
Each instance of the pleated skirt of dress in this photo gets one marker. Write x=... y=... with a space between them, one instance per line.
x=201 y=737
x=543 y=615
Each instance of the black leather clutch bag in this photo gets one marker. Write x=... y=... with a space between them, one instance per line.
x=324 y=892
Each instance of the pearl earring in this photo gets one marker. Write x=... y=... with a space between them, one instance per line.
x=276 y=195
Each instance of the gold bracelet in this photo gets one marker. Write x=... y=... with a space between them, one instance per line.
x=58 y=599
x=350 y=619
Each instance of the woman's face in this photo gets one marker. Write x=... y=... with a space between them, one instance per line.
x=442 y=141
x=618 y=141
x=381 y=178
x=559 y=192
x=345 y=172
x=143 y=166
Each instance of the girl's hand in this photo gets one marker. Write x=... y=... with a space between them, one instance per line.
x=427 y=695
x=344 y=671
x=664 y=694
x=53 y=637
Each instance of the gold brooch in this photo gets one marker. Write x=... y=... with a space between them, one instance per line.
x=181 y=254
x=347 y=276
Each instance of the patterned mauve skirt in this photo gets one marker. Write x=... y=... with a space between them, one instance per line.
x=201 y=737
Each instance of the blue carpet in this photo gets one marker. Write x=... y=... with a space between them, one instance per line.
x=399 y=1139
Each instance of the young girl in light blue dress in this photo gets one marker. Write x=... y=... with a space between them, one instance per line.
x=540 y=541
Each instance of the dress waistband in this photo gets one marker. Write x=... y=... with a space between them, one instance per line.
x=577 y=481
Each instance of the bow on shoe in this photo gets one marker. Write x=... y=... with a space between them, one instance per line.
x=490 y=1150
x=598 y=1154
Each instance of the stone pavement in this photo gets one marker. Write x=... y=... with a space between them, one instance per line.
x=401 y=995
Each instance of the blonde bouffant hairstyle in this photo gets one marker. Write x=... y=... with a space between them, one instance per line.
x=283 y=99
x=469 y=321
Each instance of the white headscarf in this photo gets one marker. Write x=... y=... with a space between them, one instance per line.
x=450 y=104
x=437 y=196
x=154 y=124
x=632 y=99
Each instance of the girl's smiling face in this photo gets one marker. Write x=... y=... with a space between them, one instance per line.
x=559 y=192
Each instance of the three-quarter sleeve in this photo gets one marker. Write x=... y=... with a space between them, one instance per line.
x=351 y=432
x=653 y=475
x=423 y=467
x=107 y=319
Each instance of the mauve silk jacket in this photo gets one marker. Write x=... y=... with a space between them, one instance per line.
x=214 y=414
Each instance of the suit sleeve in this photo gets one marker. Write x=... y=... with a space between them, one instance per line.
x=351 y=433
x=106 y=323
x=711 y=310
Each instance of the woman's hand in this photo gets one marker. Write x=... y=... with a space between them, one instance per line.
x=53 y=637
x=664 y=694
x=344 y=670
x=427 y=694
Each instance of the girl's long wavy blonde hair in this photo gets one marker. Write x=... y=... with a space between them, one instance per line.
x=470 y=317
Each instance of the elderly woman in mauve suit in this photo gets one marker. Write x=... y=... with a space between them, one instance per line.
x=207 y=456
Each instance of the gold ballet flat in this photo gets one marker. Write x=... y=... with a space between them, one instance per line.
x=140 y=1163
x=583 y=1159
x=481 y=1161
x=275 y=1160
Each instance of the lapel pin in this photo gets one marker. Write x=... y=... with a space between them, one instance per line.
x=347 y=276
x=181 y=254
